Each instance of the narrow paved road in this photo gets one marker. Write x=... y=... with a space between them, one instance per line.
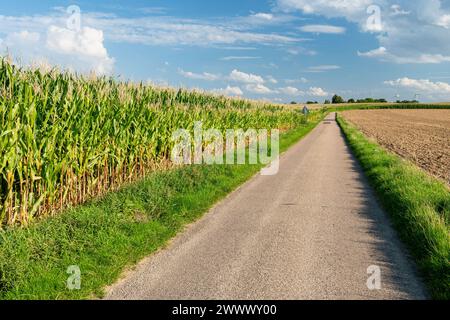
x=309 y=232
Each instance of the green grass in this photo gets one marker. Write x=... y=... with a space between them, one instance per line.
x=105 y=236
x=418 y=204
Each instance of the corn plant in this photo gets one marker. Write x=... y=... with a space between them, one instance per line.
x=65 y=138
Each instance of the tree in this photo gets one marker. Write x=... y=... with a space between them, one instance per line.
x=408 y=101
x=337 y=99
x=293 y=102
x=327 y=102
x=351 y=100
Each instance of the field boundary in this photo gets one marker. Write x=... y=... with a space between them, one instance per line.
x=418 y=204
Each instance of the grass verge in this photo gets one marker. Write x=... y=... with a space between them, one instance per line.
x=419 y=206
x=105 y=236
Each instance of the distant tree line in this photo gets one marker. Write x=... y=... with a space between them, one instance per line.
x=307 y=102
x=407 y=101
x=338 y=99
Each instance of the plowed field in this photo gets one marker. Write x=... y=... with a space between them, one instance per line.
x=422 y=136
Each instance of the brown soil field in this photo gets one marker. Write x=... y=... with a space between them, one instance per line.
x=422 y=136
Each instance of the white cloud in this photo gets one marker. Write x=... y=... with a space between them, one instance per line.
x=323 y=68
x=424 y=85
x=229 y=91
x=243 y=77
x=264 y=16
x=336 y=8
x=303 y=51
x=424 y=58
x=22 y=38
x=381 y=51
x=86 y=45
x=260 y=19
x=82 y=51
x=317 y=92
x=383 y=54
x=258 y=88
x=291 y=91
x=398 y=11
x=319 y=28
x=291 y=81
x=161 y=30
x=414 y=31
x=444 y=21
x=312 y=91
x=199 y=76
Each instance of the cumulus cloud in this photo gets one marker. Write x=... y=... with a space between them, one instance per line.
x=423 y=85
x=414 y=31
x=380 y=52
x=317 y=92
x=249 y=78
x=228 y=91
x=254 y=83
x=258 y=88
x=199 y=76
x=319 y=28
x=444 y=21
x=264 y=16
x=22 y=38
x=85 y=45
x=82 y=51
x=312 y=91
x=291 y=91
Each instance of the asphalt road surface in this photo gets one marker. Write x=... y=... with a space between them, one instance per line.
x=309 y=232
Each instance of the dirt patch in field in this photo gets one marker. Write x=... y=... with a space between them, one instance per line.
x=422 y=136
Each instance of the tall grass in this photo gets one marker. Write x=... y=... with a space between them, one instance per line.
x=65 y=138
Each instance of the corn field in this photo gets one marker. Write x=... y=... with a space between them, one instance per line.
x=65 y=138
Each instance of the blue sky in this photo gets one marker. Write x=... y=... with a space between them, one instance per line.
x=279 y=50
